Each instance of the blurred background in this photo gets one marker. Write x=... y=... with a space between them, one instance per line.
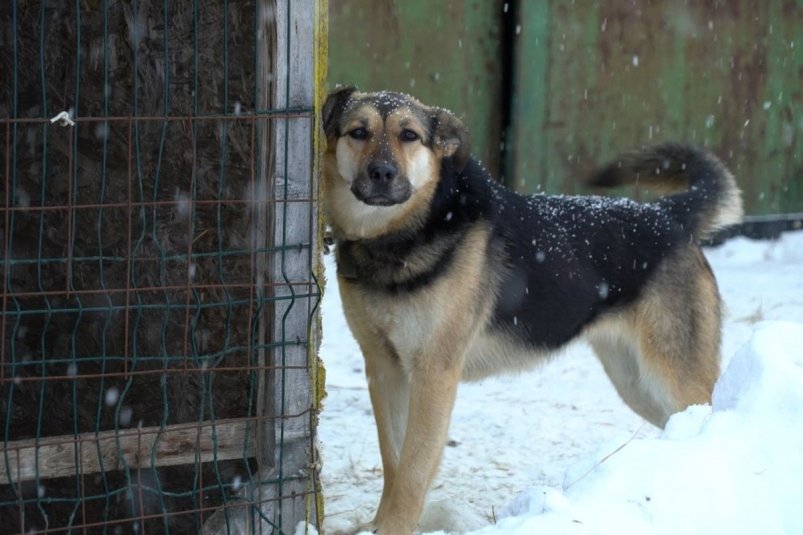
x=550 y=89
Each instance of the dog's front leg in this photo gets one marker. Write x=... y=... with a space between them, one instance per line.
x=389 y=388
x=432 y=394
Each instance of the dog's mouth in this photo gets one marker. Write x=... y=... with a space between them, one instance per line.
x=381 y=195
x=378 y=200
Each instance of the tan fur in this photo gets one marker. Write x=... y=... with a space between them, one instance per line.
x=658 y=364
x=417 y=346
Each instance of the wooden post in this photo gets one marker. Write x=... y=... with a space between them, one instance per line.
x=286 y=76
x=294 y=223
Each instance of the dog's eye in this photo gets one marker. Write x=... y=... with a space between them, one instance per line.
x=359 y=133
x=408 y=135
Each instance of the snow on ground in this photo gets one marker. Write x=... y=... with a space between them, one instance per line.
x=556 y=451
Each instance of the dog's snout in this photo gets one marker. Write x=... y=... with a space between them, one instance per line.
x=382 y=173
x=381 y=183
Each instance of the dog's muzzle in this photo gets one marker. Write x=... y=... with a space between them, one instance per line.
x=381 y=185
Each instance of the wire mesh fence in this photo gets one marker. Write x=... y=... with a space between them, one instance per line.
x=159 y=259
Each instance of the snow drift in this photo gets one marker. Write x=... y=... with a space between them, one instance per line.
x=735 y=467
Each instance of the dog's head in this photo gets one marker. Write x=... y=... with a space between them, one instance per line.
x=384 y=151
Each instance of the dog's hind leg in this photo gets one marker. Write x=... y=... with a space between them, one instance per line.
x=678 y=322
x=619 y=355
x=662 y=354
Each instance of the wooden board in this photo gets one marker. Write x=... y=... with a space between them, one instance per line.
x=51 y=457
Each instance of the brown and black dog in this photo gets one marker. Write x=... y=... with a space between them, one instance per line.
x=445 y=275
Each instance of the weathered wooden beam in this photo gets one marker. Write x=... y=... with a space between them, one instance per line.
x=294 y=223
x=56 y=456
x=286 y=74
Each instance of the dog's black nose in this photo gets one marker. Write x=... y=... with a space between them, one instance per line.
x=382 y=173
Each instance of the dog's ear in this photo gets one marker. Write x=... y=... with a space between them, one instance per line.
x=333 y=108
x=452 y=136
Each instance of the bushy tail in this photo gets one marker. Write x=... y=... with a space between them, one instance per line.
x=708 y=197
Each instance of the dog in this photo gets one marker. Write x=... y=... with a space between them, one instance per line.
x=446 y=275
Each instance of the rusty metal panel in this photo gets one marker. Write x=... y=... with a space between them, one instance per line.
x=446 y=53
x=594 y=78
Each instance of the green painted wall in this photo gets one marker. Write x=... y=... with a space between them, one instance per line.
x=593 y=78
x=596 y=78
